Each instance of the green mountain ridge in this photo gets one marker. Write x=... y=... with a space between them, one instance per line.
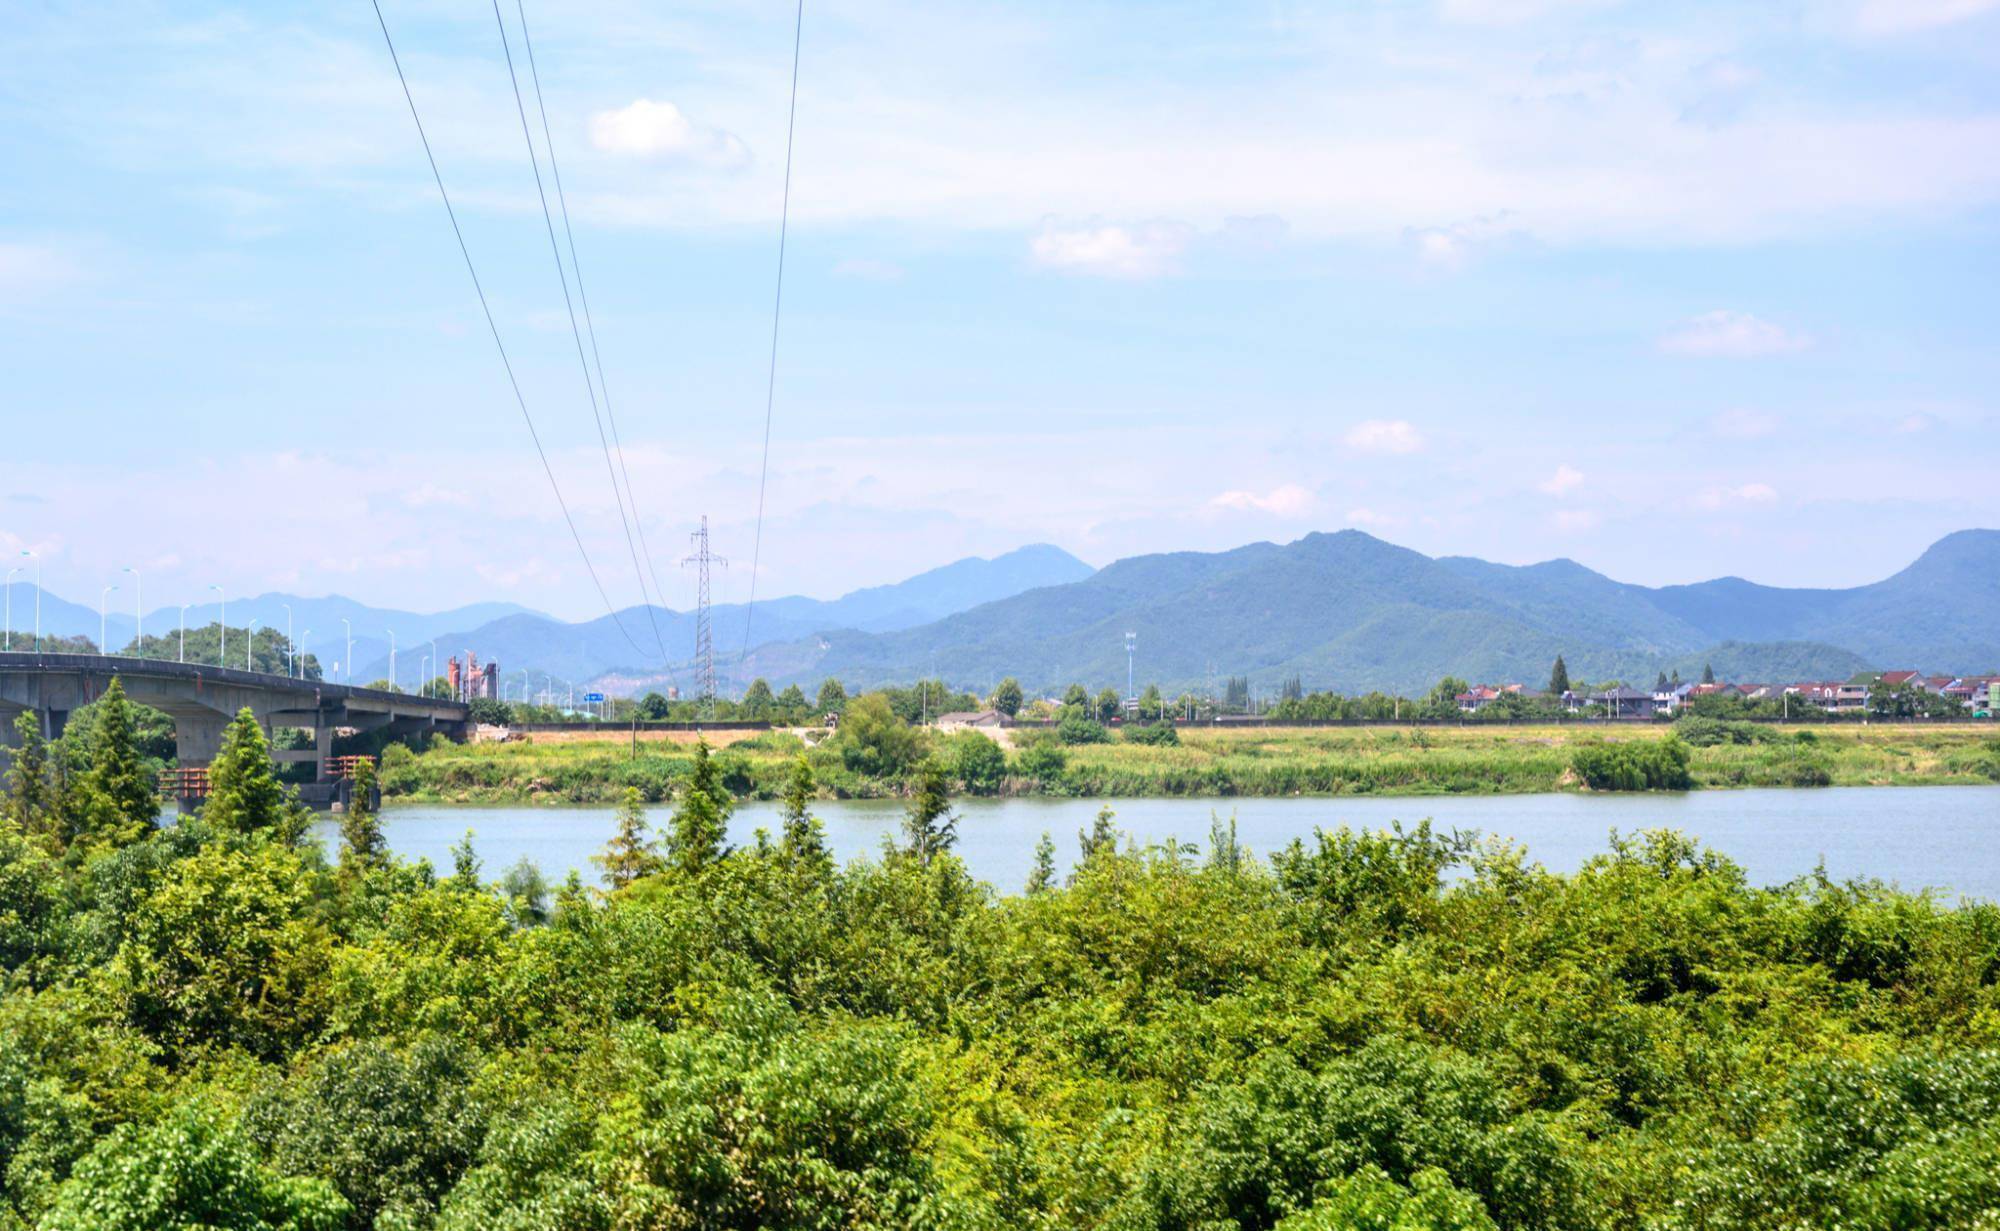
x=1348 y=611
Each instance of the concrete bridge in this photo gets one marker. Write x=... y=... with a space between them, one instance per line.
x=202 y=699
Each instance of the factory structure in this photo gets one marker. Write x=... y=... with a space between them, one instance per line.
x=469 y=681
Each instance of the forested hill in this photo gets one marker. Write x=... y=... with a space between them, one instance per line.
x=1350 y=612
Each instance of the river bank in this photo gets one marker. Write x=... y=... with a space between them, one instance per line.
x=1227 y=763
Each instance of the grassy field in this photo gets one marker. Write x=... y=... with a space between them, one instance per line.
x=1255 y=762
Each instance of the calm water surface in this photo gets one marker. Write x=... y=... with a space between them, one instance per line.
x=1918 y=837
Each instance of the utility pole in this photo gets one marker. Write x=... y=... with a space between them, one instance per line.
x=393 y=682
x=249 y=643
x=1131 y=644
x=349 y=669
x=103 y=599
x=183 y=655
x=704 y=629
x=290 y=651
x=7 y=637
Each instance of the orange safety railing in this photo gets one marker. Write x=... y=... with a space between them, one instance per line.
x=185 y=782
x=343 y=767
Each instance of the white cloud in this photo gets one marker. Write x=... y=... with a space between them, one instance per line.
x=1565 y=480
x=645 y=128
x=1715 y=499
x=1385 y=436
x=1286 y=500
x=1575 y=521
x=1111 y=251
x=1452 y=247
x=1907 y=16
x=1911 y=424
x=1743 y=425
x=1733 y=335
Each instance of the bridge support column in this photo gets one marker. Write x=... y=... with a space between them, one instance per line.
x=322 y=747
x=197 y=738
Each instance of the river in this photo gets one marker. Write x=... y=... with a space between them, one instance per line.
x=1918 y=837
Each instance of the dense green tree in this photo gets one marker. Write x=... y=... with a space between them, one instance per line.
x=832 y=697
x=465 y=864
x=1559 y=677
x=189 y=1173
x=1102 y=836
x=33 y=906
x=1042 y=759
x=1708 y=673
x=701 y=818
x=654 y=708
x=976 y=762
x=804 y=839
x=873 y=740
x=363 y=849
x=1151 y=704
x=792 y=703
x=227 y=951
x=1660 y=685
x=630 y=854
x=1076 y=695
x=1442 y=700
x=244 y=794
x=115 y=800
x=32 y=802
x=757 y=699
x=1007 y=697
x=392 y=1130
x=930 y=827
x=1042 y=875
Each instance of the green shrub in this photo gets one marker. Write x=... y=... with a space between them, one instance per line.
x=1153 y=735
x=1633 y=765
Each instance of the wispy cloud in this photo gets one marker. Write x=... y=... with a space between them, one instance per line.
x=1714 y=499
x=1390 y=436
x=1285 y=500
x=646 y=128
x=1733 y=335
x=1146 y=250
x=1565 y=480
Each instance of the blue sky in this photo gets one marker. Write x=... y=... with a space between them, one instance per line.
x=1673 y=290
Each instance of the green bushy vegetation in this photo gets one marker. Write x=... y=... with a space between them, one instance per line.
x=872 y=755
x=1633 y=765
x=217 y=1025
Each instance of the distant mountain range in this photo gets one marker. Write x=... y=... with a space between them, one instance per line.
x=1345 y=611
x=1350 y=612
x=622 y=648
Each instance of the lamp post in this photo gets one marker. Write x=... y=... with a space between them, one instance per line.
x=424 y=676
x=102 y=600
x=7 y=636
x=289 y=653
x=222 y=650
x=183 y=656
x=302 y=652
x=349 y=660
x=138 y=611
x=249 y=643
x=392 y=659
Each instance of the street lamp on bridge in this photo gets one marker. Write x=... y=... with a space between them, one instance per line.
x=183 y=656
x=7 y=635
x=249 y=643
x=302 y=652
x=394 y=683
x=349 y=660
x=289 y=653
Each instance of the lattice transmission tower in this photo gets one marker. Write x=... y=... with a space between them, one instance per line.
x=704 y=625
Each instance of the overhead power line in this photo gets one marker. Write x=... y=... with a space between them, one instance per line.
x=590 y=327
x=494 y=328
x=777 y=309
x=548 y=221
